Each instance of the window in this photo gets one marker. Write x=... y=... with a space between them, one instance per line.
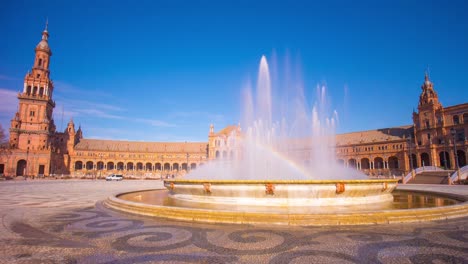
x=32 y=113
x=40 y=62
x=456 y=120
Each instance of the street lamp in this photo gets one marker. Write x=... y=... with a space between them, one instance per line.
x=187 y=162
x=410 y=155
x=454 y=132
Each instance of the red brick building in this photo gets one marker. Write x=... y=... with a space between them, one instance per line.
x=437 y=137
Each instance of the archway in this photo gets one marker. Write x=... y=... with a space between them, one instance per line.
x=139 y=166
x=148 y=167
x=365 y=164
x=393 y=163
x=89 y=165
x=78 y=165
x=378 y=163
x=352 y=163
x=193 y=166
x=130 y=166
x=110 y=165
x=120 y=166
x=175 y=166
x=444 y=160
x=425 y=160
x=21 y=168
x=461 y=158
x=157 y=166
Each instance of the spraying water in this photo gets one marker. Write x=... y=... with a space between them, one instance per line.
x=281 y=140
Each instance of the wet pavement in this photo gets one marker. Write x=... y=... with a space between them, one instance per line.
x=64 y=221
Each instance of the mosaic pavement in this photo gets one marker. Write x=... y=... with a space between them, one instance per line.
x=65 y=222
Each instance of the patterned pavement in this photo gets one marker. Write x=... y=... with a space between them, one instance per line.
x=58 y=221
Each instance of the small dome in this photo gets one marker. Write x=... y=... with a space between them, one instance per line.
x=43 y=44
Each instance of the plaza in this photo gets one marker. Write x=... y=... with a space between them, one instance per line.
x=64 y=221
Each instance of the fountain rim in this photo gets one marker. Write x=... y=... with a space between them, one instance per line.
x=215 y=181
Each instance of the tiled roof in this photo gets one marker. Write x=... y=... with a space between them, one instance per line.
x=227 y=130
x=135 y=146
x=371 y=136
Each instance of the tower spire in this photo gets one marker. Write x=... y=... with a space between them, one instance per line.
x=46 y=24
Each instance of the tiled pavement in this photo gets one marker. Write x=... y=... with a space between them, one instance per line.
x=63 y=221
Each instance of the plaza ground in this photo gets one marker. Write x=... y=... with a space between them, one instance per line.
x=64 y=221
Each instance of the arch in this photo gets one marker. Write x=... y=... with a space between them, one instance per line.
x=89 y=165
x=78 y=165
x=157 y=166
x=149 y=166
x=352 y=163
x=340 y=161
x=193 y=166
x=456 y=120
x=40 y=62
x=365 y=164
x=461 y=155
x=100 y=165
x=175 y=166
x=217 y=154
x=444 y=159
x=378 y=163
x=41 y=91
x=224 y=154
x=393 y=163
x=139 y=166
x=130 y=166
x=34 y=92
x=110 y=165
x=465 y=118
x=184 y=166
x=120 y=166
x=425 y=160
x=21 y=166
x=28 y=90
x=167 y=166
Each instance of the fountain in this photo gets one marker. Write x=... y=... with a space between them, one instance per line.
x=282 y=170
x=285 y=158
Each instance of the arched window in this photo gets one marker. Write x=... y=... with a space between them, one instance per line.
x=393 y=163
x=78 y=165
x=456 y=120
x=39 y=63
x=365 y=164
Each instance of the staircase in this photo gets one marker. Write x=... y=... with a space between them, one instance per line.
x=431 y=177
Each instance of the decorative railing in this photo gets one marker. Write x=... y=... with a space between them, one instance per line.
x=419 y=170
x=461 y=174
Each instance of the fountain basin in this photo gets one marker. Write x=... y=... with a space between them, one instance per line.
x=282 y=193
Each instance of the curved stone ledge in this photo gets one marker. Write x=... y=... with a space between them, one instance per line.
x=366 y=218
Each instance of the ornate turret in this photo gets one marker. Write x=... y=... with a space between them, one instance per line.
x=428 y=95
x=33 y=124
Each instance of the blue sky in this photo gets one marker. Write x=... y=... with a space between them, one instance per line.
x=165 y=70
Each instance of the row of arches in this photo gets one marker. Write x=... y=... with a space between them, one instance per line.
x=393 y=163
x=139 y=166
x=35 y=91
x=376 y=163
x=224 y=154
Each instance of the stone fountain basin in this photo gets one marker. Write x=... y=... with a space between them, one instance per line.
x=282 y=192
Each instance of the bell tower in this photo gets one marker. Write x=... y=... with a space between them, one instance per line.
x=32 y=124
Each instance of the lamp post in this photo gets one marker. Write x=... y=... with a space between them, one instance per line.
x=187 y=163
x=410 y=155
x=445 y=154
x=454 y=132
x=102 y=165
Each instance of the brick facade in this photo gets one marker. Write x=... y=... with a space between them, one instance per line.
x=36 y=148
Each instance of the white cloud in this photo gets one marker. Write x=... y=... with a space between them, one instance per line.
x=155 y=123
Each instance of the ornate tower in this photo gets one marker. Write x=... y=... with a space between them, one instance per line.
x=32 y=125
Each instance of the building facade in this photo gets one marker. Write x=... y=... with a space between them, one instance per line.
x=437 y=137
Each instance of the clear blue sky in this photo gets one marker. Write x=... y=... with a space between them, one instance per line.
x=165 y=70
